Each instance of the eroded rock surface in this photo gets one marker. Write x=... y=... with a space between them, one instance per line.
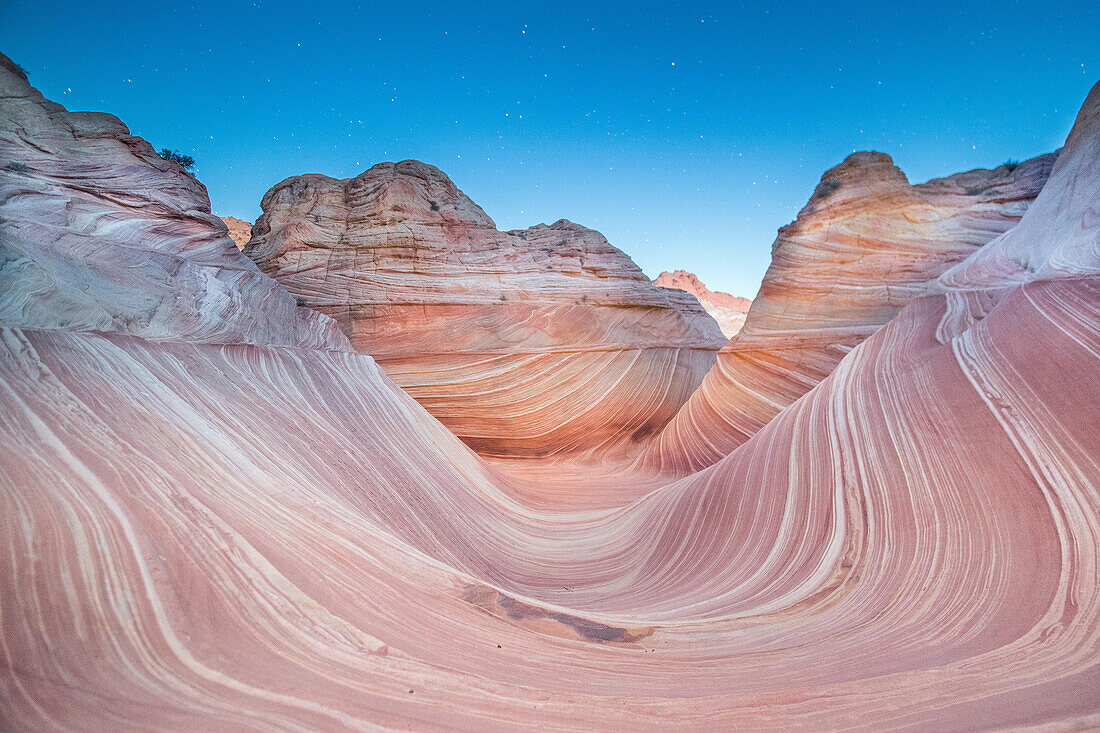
x=99 y=233
x=224 y=534
x=540 y=341
x=239 y=231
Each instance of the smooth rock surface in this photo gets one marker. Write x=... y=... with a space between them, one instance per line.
x=543 y=341
x=729 y=311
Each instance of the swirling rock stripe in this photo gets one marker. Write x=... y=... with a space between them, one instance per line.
x=99 y=233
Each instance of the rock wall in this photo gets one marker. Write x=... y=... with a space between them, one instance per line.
x=99 y=233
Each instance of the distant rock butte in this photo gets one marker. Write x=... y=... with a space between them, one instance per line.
x=539 y=341
x=866 y=244
x=239 y=231
x=728 y=310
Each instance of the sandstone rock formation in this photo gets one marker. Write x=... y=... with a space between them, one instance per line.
x=866 y=244
x=541 y=341
x=239 y=231
x=727 y=310
x=203 y=534
x=79 y=193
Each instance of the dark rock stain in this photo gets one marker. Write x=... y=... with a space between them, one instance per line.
x=587 y=629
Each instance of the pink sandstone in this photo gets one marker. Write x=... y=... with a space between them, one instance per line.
x=866 y=244
x=81 y=193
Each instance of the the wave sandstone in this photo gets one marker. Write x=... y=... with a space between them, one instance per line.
x=246 y=533
x=541 y=341
x=866 y=244
x=729 y=311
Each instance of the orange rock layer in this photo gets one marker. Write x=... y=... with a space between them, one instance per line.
x=239 y=231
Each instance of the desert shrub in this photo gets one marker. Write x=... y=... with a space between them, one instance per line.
x=1011 y=164
x=186 y=161
x=17 y=167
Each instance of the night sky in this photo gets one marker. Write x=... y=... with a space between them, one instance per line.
x=686 y=132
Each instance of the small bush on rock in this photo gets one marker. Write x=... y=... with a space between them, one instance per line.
x=186 y=161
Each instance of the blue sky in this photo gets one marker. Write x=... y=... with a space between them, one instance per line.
x=686 y=132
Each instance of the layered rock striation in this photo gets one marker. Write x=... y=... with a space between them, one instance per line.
x=542 y=341
x=866 y=244
x=729 y=311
